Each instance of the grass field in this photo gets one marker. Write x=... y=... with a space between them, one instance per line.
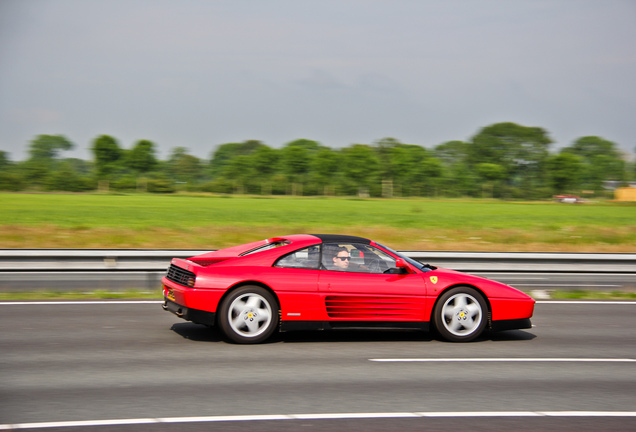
x=211 y=222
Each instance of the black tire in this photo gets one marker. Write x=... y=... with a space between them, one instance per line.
x=249 y=315
x=461 y=314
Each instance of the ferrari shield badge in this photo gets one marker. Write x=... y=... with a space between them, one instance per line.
x=434 y=279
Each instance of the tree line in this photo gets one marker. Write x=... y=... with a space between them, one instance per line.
x=503 y=160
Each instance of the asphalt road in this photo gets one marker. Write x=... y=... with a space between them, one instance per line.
x=576 y=369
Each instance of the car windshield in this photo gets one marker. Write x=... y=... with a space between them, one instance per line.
x=414 y=263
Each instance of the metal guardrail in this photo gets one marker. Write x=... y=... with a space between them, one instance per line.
x=24 y=270
x=530 y=261
x=110 y=260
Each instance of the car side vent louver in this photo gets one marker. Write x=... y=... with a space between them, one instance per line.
x=388 y=308
x=182 y=277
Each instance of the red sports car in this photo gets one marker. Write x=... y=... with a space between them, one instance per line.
x=324 y=281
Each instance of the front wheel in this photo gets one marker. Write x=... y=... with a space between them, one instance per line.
x=460 y=314
x=249 y=315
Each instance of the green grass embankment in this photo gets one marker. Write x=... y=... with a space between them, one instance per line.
x=212 y=222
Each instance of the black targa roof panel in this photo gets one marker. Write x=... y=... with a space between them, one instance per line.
x=337 y=238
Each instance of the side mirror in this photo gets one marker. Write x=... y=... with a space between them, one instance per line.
x=402 y=267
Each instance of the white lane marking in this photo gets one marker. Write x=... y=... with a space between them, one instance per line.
x=484 y=414
x=587 y=302
x=229 y=418
x=326 y=416
x=518 y=278
x=512 y=359
x=79 y=302
x=335 y=416
x=589 y=413
x=570 y=285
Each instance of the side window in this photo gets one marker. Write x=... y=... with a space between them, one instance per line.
x=332 y=254
x=377 y=261
x=267 y=247
x=357 y=258
x=307 y=258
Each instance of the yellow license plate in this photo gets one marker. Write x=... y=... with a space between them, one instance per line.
x=170 y=294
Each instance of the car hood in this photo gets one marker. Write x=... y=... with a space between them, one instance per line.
x=492 y=288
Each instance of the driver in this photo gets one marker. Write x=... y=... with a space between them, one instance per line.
x=342 y=259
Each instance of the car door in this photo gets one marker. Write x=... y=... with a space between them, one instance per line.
x=364 y=292
x=295 y=278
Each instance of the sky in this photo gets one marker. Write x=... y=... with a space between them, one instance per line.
x=200 y=73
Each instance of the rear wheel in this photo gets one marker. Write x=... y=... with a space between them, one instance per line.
x=460 y=314
x=249 y=314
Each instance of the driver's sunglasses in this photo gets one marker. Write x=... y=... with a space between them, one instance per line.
x=344 y=258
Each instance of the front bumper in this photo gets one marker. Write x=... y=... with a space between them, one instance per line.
x=195 y=315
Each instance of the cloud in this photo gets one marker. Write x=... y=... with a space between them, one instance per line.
x=200 y=73
x=44 y=118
